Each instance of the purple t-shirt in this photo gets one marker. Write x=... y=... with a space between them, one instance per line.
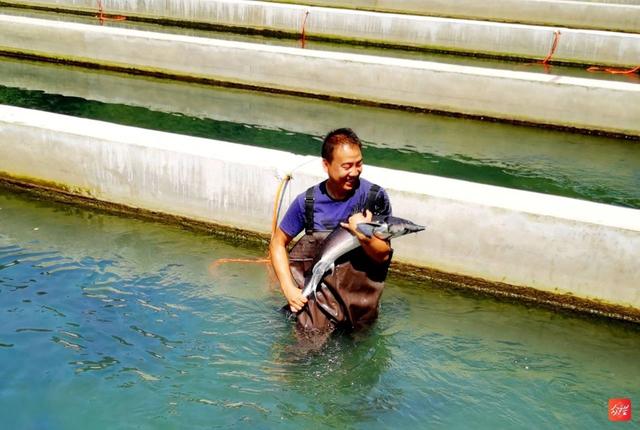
x=329 y=213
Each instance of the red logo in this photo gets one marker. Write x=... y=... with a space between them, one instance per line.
x=619 y=409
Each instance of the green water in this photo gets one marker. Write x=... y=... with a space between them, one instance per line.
x=592 y=168
x=118 y=323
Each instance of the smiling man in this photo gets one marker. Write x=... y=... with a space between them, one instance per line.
x=349 y=296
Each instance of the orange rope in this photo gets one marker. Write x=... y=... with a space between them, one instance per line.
x=102 y=17
x=613 y=71
x=302 y=33
x=220 y=261
x=277 y=204
x=554 y=45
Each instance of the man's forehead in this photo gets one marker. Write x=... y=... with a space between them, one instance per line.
x=346 y=153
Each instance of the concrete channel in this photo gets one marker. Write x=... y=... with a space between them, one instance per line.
x=590 y=167
x=601 y=106
x=577 y=46
x=519 y=243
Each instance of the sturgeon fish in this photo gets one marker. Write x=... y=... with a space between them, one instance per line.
x=340 y=241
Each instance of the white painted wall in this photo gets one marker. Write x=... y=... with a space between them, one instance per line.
x=457 y=35
x=616 y=15
x=546 y=99
x=521 y=238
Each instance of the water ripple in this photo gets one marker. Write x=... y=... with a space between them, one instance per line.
x=121 y=340
x=161 y=338
x=54 y=310
x=88 y=365
x=33 y=257
x=67 y=344
x=35 y=330
x=9 y=264
x=107 y=289
x=143 y=375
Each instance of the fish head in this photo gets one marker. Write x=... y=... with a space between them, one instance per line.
x=370 y=228
x=389 y=227
x=396 y=227
x=397 y=230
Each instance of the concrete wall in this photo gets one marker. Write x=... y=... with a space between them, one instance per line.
x=512 y=40
x=521 y=238
x=575 y=161
x=615 y=15
x=546 y=99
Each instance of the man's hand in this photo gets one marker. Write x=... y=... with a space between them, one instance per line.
x=353 y=222
x=280 y=262
x=295 y=298
x=379 y=250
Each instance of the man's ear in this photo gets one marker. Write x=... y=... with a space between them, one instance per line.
x=325 y=165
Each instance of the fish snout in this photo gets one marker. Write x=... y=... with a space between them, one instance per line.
x=414 y=228
x=406 y=228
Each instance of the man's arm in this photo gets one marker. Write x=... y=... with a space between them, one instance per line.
x=379 y=250
x=280 y=262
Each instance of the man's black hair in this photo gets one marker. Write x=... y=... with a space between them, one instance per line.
x=337 y=137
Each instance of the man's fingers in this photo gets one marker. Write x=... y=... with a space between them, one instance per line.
x=297 y=304
x=347 y=226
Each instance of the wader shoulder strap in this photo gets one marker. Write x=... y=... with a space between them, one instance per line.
x=371 y=198
x=308 y=211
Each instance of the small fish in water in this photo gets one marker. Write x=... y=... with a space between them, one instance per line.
x=341 y=241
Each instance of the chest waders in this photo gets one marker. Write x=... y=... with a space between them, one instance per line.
x=347 y=298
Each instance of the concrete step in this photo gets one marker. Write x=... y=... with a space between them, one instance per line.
x=609 y=107
x=336 y=46
x=575 y=46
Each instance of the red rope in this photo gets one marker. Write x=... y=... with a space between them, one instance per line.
x=302 y=33
x=102 y=17
x=220 y=261
x=613 y=71
x=554 y=46
x=556 y=37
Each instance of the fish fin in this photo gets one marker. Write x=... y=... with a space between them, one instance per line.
x=312 y=282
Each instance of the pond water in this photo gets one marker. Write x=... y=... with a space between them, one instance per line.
x=586 y=167
x=110 y=322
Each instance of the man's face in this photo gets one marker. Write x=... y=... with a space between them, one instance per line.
x=345 y=168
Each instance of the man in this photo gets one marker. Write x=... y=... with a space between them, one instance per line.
x=349 y=296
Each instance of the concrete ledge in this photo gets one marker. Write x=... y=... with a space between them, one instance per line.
x=603 y=15
x=451 y=35
x=546 y=243
x=611 y=107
